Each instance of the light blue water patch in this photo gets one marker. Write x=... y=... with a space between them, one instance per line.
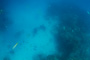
x=19 y=42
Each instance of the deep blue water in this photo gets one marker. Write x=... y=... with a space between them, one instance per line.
x=32 y=30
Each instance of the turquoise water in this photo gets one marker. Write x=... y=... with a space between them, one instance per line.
x=44 y=30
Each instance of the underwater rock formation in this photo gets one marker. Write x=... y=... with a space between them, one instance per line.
x=6 y=58
x=47 y=57
x=39 y=57
x=37 y=29
x=42 y=27
x=18 y=34
x=72 y=29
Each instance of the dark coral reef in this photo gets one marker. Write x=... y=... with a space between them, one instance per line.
x=73 y=32
x=73 y=27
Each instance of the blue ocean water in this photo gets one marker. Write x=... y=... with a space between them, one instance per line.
x=44 y=30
